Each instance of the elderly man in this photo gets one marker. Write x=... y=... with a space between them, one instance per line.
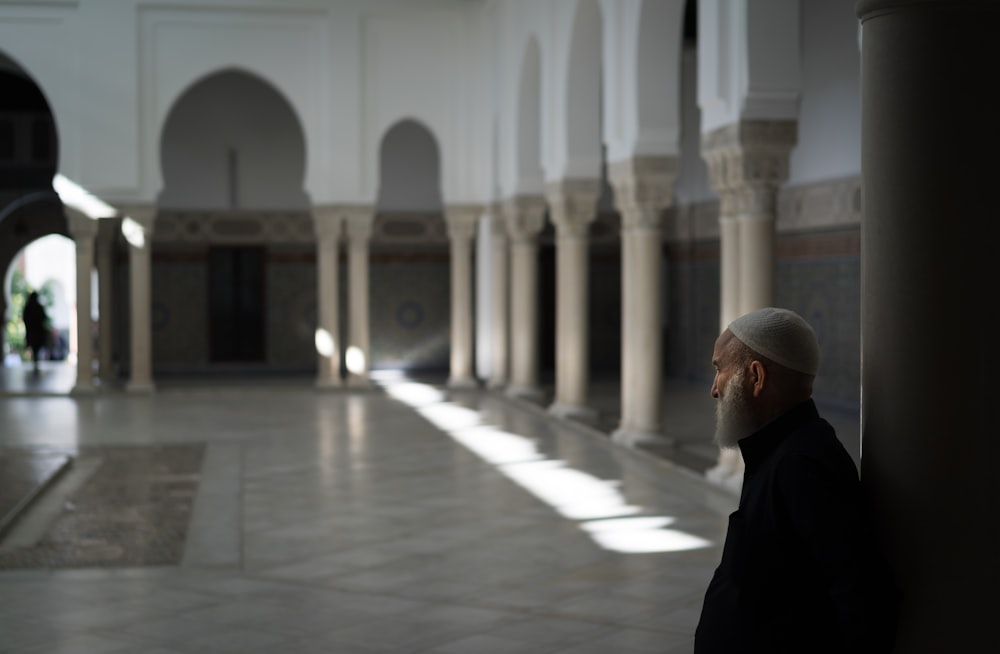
x=799 y=572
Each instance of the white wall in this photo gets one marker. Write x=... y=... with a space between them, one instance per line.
x=43 y=40
x=830 y=111
x=349 y=68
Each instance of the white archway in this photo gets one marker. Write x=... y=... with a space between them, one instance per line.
x=232 y=141
x=581 y=134
x=409 y=168
x=528 y=156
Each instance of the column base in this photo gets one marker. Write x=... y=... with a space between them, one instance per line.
x=530 y=393
x=462 y=384
x=140 y=388
x=640 y=438
x=582 y=414
x=496 y=384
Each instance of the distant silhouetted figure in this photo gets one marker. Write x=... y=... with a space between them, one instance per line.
x=35 y=327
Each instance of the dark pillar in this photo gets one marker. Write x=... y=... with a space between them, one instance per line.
x=930 y=146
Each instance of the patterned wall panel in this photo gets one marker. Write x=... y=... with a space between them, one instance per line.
x=179 y=310
x=410 y=311
x=291 y=314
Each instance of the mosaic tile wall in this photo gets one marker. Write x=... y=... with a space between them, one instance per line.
x=180 y=311
x=411 y=311
x=291 y=317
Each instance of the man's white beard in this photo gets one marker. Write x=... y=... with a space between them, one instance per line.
x=733 y=419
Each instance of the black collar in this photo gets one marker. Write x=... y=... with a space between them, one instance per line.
x=758 y=446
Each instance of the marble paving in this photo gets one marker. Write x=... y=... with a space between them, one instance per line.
x=399 y=520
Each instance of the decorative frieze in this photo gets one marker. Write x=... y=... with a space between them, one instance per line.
x=236 y=228
x=822 y=205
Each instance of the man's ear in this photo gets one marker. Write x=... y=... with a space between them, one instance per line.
x=758 y=376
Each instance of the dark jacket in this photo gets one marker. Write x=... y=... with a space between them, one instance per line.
x=799 y=570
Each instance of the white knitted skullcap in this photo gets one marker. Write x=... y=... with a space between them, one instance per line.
x=781 y=336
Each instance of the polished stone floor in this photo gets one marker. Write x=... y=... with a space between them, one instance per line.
x=400 y=520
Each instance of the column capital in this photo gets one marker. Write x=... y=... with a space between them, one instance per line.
x=750 y=152
x=327 y=221
x=525 y=217
x=644 y=187
x=573 y=205
x=359 y=220
x=81 y=226
x=462 y=220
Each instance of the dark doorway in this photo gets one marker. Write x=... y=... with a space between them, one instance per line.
x=236 y=304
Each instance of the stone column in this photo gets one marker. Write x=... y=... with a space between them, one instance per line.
x=327 y=222
x=765 y=147
x=461 y=221
x=573 y=207
x=929 y=234
x=83 y=229
x=107 y=239
x=525 y=217
x=359 y=222
x=501 y=297
x=747 y=162
x=137 y=227
x=643 y=190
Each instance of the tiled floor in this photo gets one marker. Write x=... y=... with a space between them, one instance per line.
x=398 y=520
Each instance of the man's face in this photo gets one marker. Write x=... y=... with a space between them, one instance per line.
x=733 y=415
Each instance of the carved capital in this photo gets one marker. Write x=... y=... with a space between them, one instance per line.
x=462 y=220
x=573 y=205
x=644 y=187
x=757 y=201
x=359 y=220
x=525 y=217
x=643 y=183
x=751 y=153
x=327 y=223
